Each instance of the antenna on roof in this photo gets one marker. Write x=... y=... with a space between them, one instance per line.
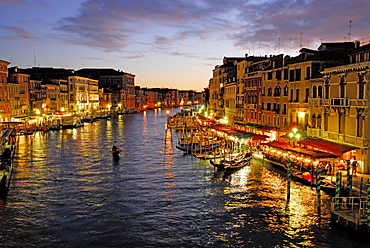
x=350 y=27
x=301 y=41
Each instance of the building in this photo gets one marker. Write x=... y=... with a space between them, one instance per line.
x=4 y=99
x=345 y=116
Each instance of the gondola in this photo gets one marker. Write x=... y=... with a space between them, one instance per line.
x=234 y=164
x=115 y=152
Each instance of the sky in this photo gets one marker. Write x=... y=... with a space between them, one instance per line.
x=170 y=43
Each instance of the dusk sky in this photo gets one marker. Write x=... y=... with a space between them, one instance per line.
x=170 y=43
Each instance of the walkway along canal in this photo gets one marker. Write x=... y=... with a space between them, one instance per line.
x=66 y=191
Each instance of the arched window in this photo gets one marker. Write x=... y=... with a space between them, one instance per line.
x=286 y=90
x=314 y=92
x=269 y=93
x=313 y=121
x=318 y=121
x=319 y=91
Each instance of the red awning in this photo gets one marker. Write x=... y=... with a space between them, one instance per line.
x=258 y=136
x=278 y=144
x=327 y=146
x=312 y=153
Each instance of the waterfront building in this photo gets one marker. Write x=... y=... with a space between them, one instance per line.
x=140 y=99
x=37 y=97
x=129 y=91
x=151 y=98
x=306 y=66
x=4 y=99
x=52 y=95
x=120 y=85
x=217 y=84
x=79 y=96
x=18 y=93
x=241 y=91
x=229 y=95
x=346 y=105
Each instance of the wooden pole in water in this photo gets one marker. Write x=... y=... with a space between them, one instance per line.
x=337 y=188
x=318 y=188
x=368 y=205
x=289 y=174
x=361 y=185
x=348 y=176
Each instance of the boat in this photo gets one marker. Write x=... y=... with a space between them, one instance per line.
x=68 y=122
x=88 y=119
x=7 y=150
x=234 y=163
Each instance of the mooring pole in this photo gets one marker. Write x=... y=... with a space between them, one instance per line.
x=289 y=174
x=318 y=188
x=368 y=205
x=337 y=188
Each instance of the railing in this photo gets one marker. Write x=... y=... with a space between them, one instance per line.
x=340 y=102
x=317 y=102
x=357 y=205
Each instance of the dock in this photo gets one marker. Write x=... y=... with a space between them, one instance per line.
x=350 y=212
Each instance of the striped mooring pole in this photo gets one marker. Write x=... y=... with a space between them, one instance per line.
x=368 y=205
x=338 y=179
x=318 y=188
x=289 y=175
x=349 y=185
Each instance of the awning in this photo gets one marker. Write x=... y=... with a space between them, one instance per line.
x=259 y=137
x=328 y=146
x=278 y=144
x=267 y=128
x=312 y=153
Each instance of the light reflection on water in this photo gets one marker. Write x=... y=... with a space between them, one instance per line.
x=68 y=192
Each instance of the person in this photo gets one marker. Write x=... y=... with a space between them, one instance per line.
x=354 y=167
x=114 y=148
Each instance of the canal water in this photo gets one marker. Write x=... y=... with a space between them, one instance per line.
x=66 y=191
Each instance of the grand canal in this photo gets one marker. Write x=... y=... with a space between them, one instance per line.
x=66 y=191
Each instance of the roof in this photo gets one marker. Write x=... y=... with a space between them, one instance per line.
x=327 y=146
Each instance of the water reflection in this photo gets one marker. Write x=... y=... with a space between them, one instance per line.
x=68 y=192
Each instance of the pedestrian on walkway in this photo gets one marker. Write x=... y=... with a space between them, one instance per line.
x=354 y=168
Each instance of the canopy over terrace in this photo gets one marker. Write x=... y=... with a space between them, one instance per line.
x=238 y=133
x=314 y=154
x=327 y=146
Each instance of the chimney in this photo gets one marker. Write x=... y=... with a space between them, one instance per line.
x=357 y=44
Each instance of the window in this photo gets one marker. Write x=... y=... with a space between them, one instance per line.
x=318 y=121
x=359 y=125
x=269 y=75
x=342 y=85
x=269 y=91
x=297 y=95
x=319 y=91
x=307 y=94
x=298 y=74
x=314 y=92
x=308 y=72
x=291 y=76
x=286 y=90
x=327 y=84
x=291 y=95
x=286 y=74
x=278 y=75
x=313 y=121
x=361 y=86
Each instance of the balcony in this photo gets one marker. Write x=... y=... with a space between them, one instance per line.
x=339 y=102
x=358 y=102
x=251 y=106
x=315 y=102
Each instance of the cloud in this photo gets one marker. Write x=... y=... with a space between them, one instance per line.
x=17 y=33
x=114 y=25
